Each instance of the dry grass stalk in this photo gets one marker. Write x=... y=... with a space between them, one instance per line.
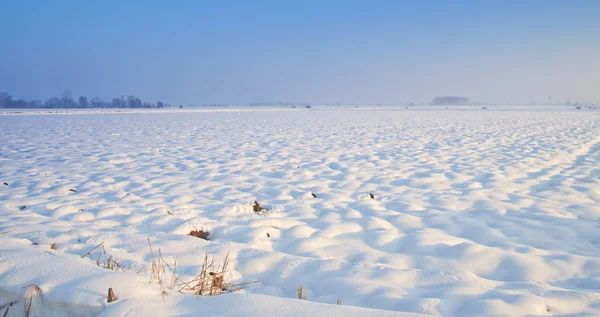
x=53 y=246
x=9 y=304
x=99 y=245
x=199 y=234
x=174 y=276
x=7 y=231
x=157 y=268
x=301 y=292
x=33 y=294
x=112 y=264
x=162 y=263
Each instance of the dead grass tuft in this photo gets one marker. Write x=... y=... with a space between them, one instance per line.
x=54 y=246
x=211 y=280
x=199 y=234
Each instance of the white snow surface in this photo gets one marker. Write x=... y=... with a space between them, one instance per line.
x=475 y=212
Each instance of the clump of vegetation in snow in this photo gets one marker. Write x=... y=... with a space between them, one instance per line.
x=109 y=263
x=199 y=234
x=301 y=292
x=210 y=282
x=258 y=208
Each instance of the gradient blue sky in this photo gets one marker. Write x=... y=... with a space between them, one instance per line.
x=305 y=51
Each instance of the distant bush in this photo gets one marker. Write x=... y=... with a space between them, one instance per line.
x=450 y=100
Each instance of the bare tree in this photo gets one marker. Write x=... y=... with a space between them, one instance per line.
x=83 y=102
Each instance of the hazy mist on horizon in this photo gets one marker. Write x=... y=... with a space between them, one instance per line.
x=238 y=52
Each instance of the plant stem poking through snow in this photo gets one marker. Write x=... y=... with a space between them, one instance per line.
x=174 y=276
x=101 y=244
x=7 y=306
x=157 y=268
x=111 y=296
x=301 y=292
x=110 y=264
x=33 y=301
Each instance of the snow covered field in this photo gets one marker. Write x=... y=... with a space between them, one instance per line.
x=475 y=212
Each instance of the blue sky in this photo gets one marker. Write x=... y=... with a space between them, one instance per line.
x=304 y=51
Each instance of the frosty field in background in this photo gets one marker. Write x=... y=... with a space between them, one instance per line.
x=475 y=212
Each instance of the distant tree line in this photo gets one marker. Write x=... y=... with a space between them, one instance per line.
x=66 y=101
x=450 y=100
